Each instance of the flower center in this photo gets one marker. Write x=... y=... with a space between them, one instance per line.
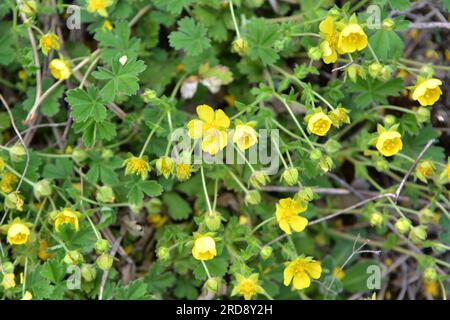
x=247 y=287
x=321 y=126
x=390 y=145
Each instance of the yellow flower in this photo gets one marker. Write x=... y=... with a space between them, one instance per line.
x=338 y=273
x=389 y=143
x=8 y=281
x=48 y=42
x=331 y=36
x=107 y=25
x=67 y=216
x=424 y=170
x=352 y=38
x=211 y=127
x=183 y=171
x=301 y=270
x=60 y=69
x=99 y=6
x=245 y=136
x=447 y=170
x=18 y=233
x=8 y=182
x=42 y=253
x=247 y=287
x=431 y=287
x=164 y=166
x=158 y=220
x=136 y=165
x=427 y=92
x=204 y=247
x=338 y=116
x=287 y=211
x=27 y=296
x=319 y=124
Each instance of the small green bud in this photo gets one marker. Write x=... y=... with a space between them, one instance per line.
x=136 y=208
x=14 y=201
x=7 y=267
x=79 y=155
x=430 y=274
x=266 y=252
x=381 y=165
x=105 y=261
x=73 y=257
x=388 y=24
x=240 y=46
x=102 y=246
x=88 y=272
x=403 y=225
x=427 y=71
x=290 y=176
x=42 y=188
x=17 y=152
x=305 y=195
x=390 y=120
x=154 y=206
x=376 y=219
x=105 y=194
x=253 y=197
x=426 y=216
x=213 y=221
x=149 y=95
x=418 y=234
x=385 y=73
x=107 y=154
x=315 y=155
x=28 y=8
x=375 y=69
x=325 y=163
x=258 y=179
x=352 y=72
x=213 y=284
x=423 y=114
x=314 y=53
x=163 y=253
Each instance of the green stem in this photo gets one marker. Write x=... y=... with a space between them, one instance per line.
x=205 y=190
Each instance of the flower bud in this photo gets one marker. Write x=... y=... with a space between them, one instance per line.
x=430 y=274
x=427 y=71
x=88 y=272
x=163 y=253
x=388 y=24
x=253 y=197
x=14 y=201
x=105 y=194
x=266 y=252
x=305 y=195
x=375 y=69
x=426 y=216
x=73 y=257
x=385 y=73
x=315 y=155
x=105 y=261
x=258 y=179
x=314 y=53
x=7 y=267
x=389 y=120
x=107 y=154
x=352 y=72
x=42 y=188
x=403 y=225
x=28 y=8
x=17 y=152
x=165 y=166
x=376 y=219
x=213 y=284
x=148 y=95
x=154 y=206
x=418 y=234
x=102 y=246
x=290 y=176
x=423 y=114
x=79 y=155
x=325 y=163
x=240 y=46
x=381 y=165
x=213 y=220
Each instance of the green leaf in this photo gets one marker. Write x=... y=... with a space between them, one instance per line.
x=54 y=271
x=94 y=131
x=83 y=239
x=400 y=5
x=261 y=37
x=370 y=90
x=178 y=208
x=7 y=51
x=136 y=290
x=386 y=44
x=151 y=188
x=51 y=105
x=355 y=279
x=122 y=79
x=190 y=37
x=158 y=279
x=62 y=169
x=86 y=105
x=217 y=268
x=173 y=6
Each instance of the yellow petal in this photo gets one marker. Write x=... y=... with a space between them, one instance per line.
x=205 y=113
x=301 y=281
x=298 y=223
x=221 y=120
x=288 y=275
x=314 y=269
x=195 y=128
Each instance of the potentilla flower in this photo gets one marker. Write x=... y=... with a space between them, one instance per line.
x=107 y=25
x=8 y=182
x=287 y=211
x=18 y=232
x=48 y=42
x=14 y=201
x=331 y=36
x=339 y=116
x=8 y=281
x=352 y=37
x=424 y=170
x=136 y=165
x=165 y=166
x=301 y=270
x=99 y=6
x=389 y=142
x=427 y=92
x=60 y=69
x=68 y=216
x=183 y=171
x=211 y=127
x=42 y=253
x=245 y=135
x=338 y=273
x=204 y=247
x=319 y=124
x=27 y=296
x=247 y=287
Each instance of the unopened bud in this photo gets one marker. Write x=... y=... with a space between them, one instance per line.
x=430 y=274
x=376 y=219
x=42 y=188
x=375 y=69
x=79 y=155
x=163 y=253
x=258 y=179
x=418 y=234
x=314 y=53
x=388 y=24
x=88 y=272
x=105 y=194
x=73 y=257
x=148 y=95
x=17 y=152
x=102 y=246
x=213 y=284
x=253 y=197
x=213 y=221
x=423 y=115
x=266 y=252
x=290 y=176
x=240 y=46
x=105 y=261
x=403 y=225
